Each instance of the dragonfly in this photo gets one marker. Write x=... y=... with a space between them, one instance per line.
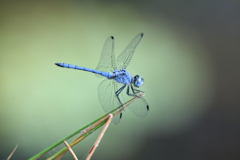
x=117 y=79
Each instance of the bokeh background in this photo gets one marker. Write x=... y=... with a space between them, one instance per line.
x=189 y=58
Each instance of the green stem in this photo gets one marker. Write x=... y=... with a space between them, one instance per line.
x=74 y=133
x=66 y=149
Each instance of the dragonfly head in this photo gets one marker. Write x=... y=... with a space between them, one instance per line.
x=138 y=81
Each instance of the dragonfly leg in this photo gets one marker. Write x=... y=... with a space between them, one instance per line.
x=134 y=94
x=117 y=95
x=135 y=91
x=118 y=92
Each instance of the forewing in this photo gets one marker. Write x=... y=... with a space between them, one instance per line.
x=107 y=60
x=125 y=57
x=107 y=97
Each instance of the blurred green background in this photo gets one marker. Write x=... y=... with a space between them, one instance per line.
x=188 y=58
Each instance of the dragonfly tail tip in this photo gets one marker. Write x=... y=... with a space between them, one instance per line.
x=57 y=64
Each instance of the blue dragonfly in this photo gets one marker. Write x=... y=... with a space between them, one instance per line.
x=118 y=78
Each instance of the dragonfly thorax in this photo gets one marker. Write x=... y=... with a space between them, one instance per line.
x=138 y=81
x=122 y=76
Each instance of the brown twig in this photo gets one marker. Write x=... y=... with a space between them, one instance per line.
x=79 y=138
x=12 y=152
x=110 y=116
x=70 y=150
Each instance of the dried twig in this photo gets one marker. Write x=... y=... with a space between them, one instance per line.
x=12 y=152
x=70 y=150
x=100 y=137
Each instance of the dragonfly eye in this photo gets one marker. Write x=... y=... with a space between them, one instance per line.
x=138 y=81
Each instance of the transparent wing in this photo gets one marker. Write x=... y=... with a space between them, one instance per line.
x=107 y=60
x=125 y=57
x=107 y=97
x=139 y=107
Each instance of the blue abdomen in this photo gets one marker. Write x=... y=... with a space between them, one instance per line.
x=71 y=66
